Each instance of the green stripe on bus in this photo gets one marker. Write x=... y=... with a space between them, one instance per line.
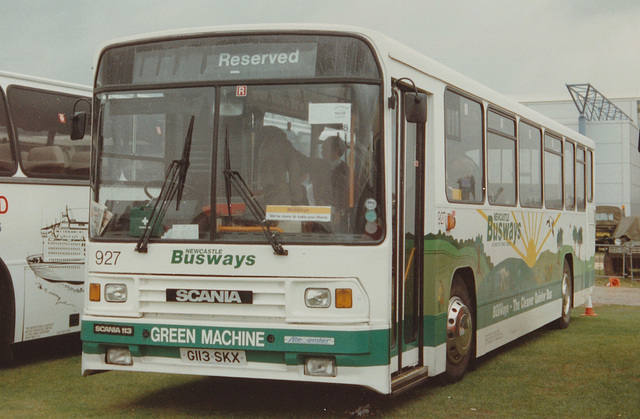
x=356 y=348
x=286 y=358
x=500 y=309
x=435 y=330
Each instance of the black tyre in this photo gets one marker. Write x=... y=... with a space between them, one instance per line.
x=567 y=297
x=460 y=332
x=6 y=354
x=7 y=315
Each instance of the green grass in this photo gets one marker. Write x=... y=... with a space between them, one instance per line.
x=590 y=370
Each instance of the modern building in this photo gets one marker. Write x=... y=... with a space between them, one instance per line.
x=613 y=125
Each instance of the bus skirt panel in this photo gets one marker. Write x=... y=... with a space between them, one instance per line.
x=359 y=357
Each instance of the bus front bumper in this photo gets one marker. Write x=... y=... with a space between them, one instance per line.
x=345 y=355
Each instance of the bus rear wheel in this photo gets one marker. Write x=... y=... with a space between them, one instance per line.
x=460 y=332
x=6 y=354
x=567 y=294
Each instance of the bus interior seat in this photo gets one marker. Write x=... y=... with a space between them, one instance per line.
x=48 y=159
x=79 y=163
x=502 y=193
x=6 y=159
x=24 y=156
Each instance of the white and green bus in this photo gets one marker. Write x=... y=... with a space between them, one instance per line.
x=44 y=188
x=321 y=204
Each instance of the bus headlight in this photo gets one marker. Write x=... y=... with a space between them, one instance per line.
x=320 y=367
x=119 y=356
x=317 y=297
x=115 y=293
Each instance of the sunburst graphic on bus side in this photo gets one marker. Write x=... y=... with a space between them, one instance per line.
x=529 y=242
x=532 y=226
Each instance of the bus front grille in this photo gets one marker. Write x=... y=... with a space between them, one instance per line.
x=204 y=298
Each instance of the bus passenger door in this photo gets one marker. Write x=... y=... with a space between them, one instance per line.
x=408 y=245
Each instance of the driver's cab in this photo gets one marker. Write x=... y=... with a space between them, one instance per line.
x=301 y=160
x=277 y=144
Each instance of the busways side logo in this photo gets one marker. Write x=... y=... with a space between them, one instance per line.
x=209 y=296
x=501 y=227
x=525 y=231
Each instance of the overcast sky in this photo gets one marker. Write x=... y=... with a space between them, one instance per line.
x=528 y=49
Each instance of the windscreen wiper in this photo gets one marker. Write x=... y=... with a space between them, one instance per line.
x=227 y=168
x=235 y=178
x=173 y=184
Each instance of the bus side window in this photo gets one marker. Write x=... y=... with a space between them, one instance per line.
x=553 y=172
x=7 y=162
x=464 y=156
x=580 y=180
x=569 y=177
x=42 y=125
x=530 y=165
x=589 y=175
x=501 y=159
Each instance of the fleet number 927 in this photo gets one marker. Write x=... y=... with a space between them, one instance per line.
x=107 y=258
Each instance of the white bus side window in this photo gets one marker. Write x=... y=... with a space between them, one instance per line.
x=464 y=156
x=530 y=159
x=569 y=177
x=580 y=180
x=7 y=162
x=501 y=159
x=589 y=175
x=552 y=172
x=42 y=121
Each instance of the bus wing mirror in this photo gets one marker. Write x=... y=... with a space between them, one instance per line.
x=415 y=107
x=78 y=124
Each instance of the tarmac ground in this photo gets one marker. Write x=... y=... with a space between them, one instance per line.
x=615 y=295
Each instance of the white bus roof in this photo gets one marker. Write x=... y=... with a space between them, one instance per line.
x=7 y=78
x=386 y=46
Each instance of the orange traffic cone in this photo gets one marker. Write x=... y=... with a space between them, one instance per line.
x=613 y=282
x=588 y=308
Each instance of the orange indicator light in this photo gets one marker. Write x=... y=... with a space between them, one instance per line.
x=344 y=298
x=451 y=221
x=94 y=292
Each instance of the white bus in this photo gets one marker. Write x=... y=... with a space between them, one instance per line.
x=322 y=204
x=44 y=184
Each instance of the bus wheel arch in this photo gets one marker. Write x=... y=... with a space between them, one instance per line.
x=566 y=293
x=7 y=314
x=461 y=326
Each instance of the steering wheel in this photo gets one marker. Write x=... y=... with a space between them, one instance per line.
x=158 y=184
x=152 y=184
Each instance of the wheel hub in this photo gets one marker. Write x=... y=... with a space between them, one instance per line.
x=459 y=330
x=566 y=296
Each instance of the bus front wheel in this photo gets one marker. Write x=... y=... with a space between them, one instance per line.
x=460 y=332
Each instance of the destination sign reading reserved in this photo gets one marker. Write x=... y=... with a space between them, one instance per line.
x=246 y=61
